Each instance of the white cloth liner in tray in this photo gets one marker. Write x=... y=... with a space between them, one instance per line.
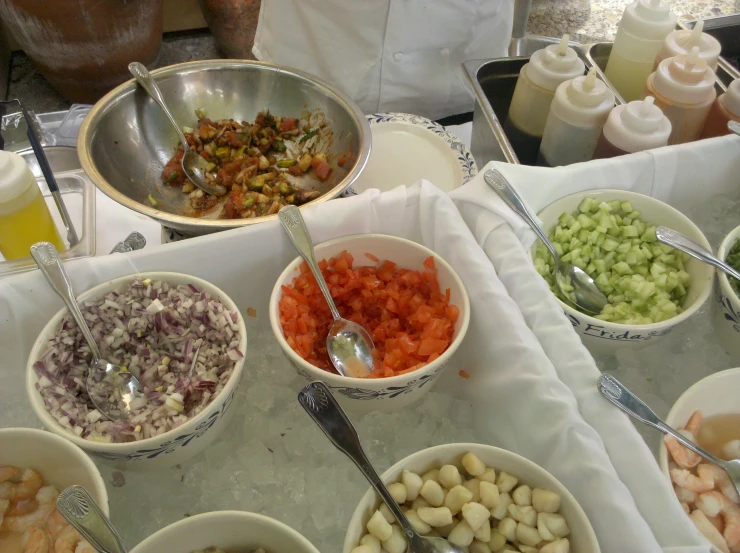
x=531 y=381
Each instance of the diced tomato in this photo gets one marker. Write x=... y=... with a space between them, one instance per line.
x=287 y=124
x=341 y=160
x=323 y=169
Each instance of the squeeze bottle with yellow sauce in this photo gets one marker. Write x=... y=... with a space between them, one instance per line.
x=24 y=217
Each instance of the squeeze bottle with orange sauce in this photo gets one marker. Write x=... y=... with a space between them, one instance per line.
x=633 y=127
x=24 y=217
x=726 y=108
x=681 y=42
x=683 y=87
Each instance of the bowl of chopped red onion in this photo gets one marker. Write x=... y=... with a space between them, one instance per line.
x=410 y=300
x=181 y=336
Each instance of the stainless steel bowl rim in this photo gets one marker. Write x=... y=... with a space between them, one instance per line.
x=194 y=224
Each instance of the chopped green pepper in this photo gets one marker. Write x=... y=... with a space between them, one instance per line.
x=308 y=135
x=223 y=152
x=172 y=176
x=248 y=202
x=285 y=163
x=152 y=200
x=280 y=145
x=285 y=188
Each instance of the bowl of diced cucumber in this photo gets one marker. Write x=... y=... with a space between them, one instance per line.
x=651 y=287
x=727 y=294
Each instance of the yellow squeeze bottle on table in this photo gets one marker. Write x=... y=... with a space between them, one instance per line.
x=24 y=216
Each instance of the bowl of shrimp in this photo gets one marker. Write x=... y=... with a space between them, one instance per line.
x=35 y=466
x=708 y=414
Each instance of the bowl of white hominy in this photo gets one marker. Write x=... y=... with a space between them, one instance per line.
x=482 y=499
x=184 y=339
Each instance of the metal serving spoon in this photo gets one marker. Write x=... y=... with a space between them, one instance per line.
x=614 y=391
x=192 y=163
x=574 y=283
x=734 y=126
x=316 y=398
x=78 y=507
x=680 y=242
x=350 y=347
x=104 y=380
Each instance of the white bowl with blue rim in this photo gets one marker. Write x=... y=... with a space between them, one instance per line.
x=167 y=449
x=362 y=395
x=728 y=325
x=607 y=337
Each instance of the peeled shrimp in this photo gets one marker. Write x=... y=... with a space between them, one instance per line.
x=709 y=531
x=686 y=496
x=36 y=539
x=21 y=523
x=721 y=480
x=85 y=547
x=683 y=456
x=713 y=503
x=67 y=540
x=56 y=523
x=4 y=504
x=7 y=473
x=732 y=449
x=691 y=482
x=27 y=488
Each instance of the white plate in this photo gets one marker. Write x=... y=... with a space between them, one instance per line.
x=407 y=148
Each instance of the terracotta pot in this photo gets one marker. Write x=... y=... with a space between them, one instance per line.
x=83 y=47
x=233 y=24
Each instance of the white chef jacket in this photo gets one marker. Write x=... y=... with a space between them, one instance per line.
x=387 y=55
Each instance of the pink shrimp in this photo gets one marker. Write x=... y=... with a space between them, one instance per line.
x=56 y=523
x=36 y=539
x=683 y=456
x=692 y=482
x=4 y=505
x=708 y=530
x=67 y=540
x=686 y=496
x=721 y=480
x=28 y=486
x=20 y=523
x=713 y=503
x=8 y=473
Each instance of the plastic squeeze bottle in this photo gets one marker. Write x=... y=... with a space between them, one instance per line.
x=577 y=115
x=725 y=108
x=681 y=42
x=640 y=35
x=683 y=87
x=24 y=216
x=633 y=127
x=533 y=94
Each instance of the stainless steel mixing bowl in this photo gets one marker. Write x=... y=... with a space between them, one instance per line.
x=125 y=140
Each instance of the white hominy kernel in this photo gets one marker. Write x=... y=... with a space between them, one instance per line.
x=362 y=549
x=542 y=528
x=545 y=501
x=397 y=542
x=506 y=482
x=386 y=512
x=430 y=475
x=484 y=532
x=398 y=492
x=499 y=512
x=556 y=524
x=489 y=475
x=449 y=476
x=418 y=503
x=497 y=541
x=527 y=535
x=456 y=498
x=525 y=514
x=473 y=464
x=522 y=495
x=372 y=542
x=489 y=494
x=479 y=547
x=505 y=548
x=507 y=527
x=433 y=493
x=445 y=530
x=413 y=483
x=559 y=546
x=528 y=549
x=461 y=535
x=419 y=525
x=379 y=527
x=435 y=516
x=474 y=486
x=475 y=514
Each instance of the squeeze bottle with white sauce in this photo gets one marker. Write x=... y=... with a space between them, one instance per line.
x=633 y=127
x=683 y=87
x=640 y=35
x=726 y=108
x=24 y=216
x=681 y=42
x=577 y=115
x=533 y=94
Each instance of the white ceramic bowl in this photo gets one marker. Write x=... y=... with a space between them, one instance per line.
x=60 y=462
x=582 y=536
x=172 y=447
x=229 y=530
x=714 y=395
x=728 y=325
x=606 y=337
x=368 y=394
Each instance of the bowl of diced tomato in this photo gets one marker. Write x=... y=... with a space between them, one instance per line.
x=408 y=298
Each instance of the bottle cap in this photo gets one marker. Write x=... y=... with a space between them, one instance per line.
x=554 y=64
x=584 y=101
x=731 y=98
x=15 y=176
x=684 y=79
x=637 y=126
x=681 y=42
x=648 y=19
